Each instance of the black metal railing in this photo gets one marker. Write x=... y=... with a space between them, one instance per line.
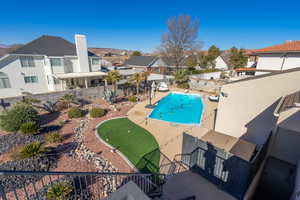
x=198 y=158
x=84 y=185
x=156 y=161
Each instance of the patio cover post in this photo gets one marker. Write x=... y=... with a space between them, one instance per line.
x=86 y=82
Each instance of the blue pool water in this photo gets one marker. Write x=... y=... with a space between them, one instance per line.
x=179 y=108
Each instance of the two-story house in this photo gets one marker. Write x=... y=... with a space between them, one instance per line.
x=49 y=64
x=277 y=57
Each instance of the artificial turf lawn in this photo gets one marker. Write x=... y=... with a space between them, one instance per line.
x=136 y=143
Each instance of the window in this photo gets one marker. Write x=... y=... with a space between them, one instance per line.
x=27 y=61
x=95 y=61
x=4 y=81
x=55 y=61
x=30 y=79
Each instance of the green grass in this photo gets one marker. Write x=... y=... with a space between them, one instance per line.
x=136 y=143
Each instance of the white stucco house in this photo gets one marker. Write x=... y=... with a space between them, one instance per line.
x=49 y=64
x=278 y=57
x=221 y=63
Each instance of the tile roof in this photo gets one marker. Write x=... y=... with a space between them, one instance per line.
x=290 y=46
x=50 y=46
x=141 y=60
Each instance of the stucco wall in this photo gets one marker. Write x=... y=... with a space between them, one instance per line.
x=83 y=93
x=276 y=61
x=220 y=63
x=12 y=67
x=247 y=111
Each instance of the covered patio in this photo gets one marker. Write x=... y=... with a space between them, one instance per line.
x=81 y=79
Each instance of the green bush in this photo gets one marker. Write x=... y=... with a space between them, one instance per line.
x=183 y=85
x=33 y=149
x=29 y=128
x=132 y=99
x=12 y=119
x=75 y=113
x=97 y=112
x=54 y=137
x=59 y=191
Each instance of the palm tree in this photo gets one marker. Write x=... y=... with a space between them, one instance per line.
x=113 y=77
x=145 y=75
x=126 y=86
x=137 y=78
x=68 y=99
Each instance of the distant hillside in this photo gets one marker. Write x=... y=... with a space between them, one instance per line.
x=110 y=51
x=4 y=49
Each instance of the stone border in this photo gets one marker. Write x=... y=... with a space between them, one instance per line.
x=111 y=147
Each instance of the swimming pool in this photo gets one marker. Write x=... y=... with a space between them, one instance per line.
x=179 y=108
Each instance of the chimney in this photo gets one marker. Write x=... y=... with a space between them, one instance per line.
x=82 y=53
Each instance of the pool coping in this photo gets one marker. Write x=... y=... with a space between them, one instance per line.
x=108 y=145
x=177 y=123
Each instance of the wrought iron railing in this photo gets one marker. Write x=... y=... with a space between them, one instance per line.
x=27 y=185
x=198 y=158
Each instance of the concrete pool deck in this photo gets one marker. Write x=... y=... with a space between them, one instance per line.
x=169 y=135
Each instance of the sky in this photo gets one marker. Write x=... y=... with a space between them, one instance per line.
x=139 y=24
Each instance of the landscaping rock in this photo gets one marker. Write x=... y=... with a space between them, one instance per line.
x=44 y=163
x=9 y=141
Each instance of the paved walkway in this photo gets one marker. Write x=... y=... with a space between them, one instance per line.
x=169 y=135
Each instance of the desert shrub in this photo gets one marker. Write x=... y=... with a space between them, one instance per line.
x=29 y=128
x=12 y=119
x=54 y=137
x=97 y=112
x=75 y=113
x=61 y=105
x=132 y=99
x=49 y=106
x=61 y=122
x=183 y=85
x=33 y=149
x=59 y=191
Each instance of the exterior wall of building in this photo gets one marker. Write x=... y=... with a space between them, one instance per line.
x=245 y=109
x=270 y=62
x=12 y=67
x=159 y=63
x=278 y=61
x=292 y=61
x=220 y=63
x=286 y=145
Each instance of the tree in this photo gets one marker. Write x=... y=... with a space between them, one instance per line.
x=137 y=78
x=136 y=53
x=145 y=75
x=113 y=77
x=202 y=59
x=68 y=99
x=181 y=78
x=191 y=61
x=180 y=40
x=237 y=58
x=212 y=53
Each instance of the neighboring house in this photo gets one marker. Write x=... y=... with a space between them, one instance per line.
x=278 y=57
x=49 y=64
x=144 y=62
x=151 y=63
x=221 y=63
